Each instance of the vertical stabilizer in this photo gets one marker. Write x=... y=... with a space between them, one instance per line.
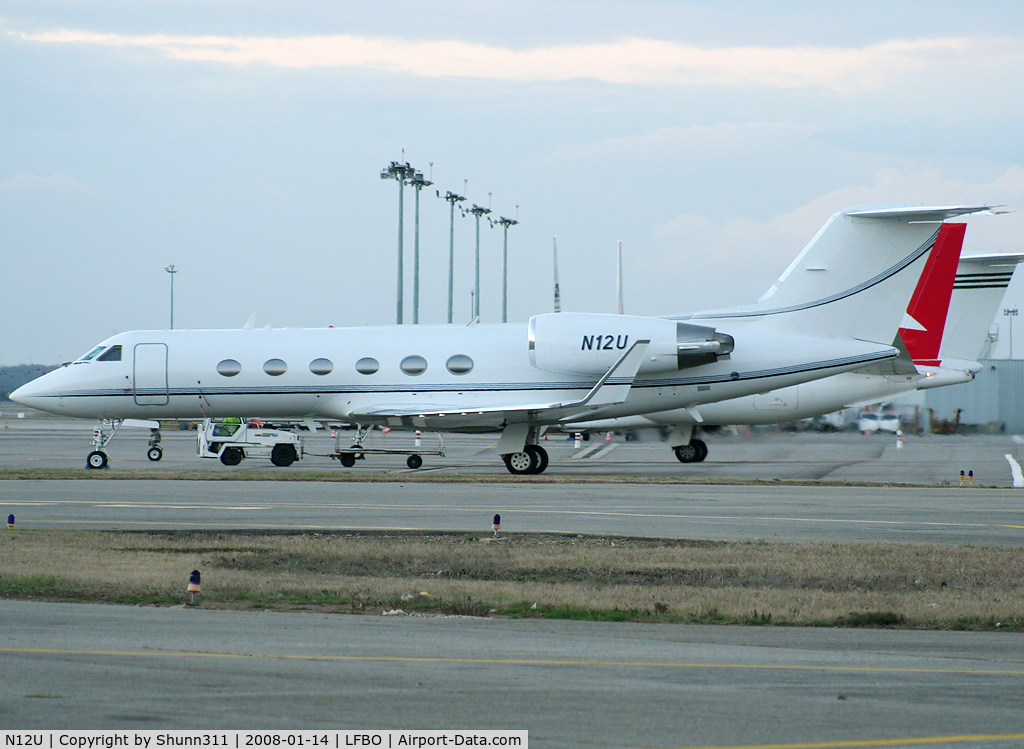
x=856 y=277
x=980 y=285
x=925 y=321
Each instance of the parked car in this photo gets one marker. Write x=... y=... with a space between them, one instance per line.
x=872 y=422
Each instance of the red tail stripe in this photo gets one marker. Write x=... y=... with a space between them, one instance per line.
x=930 y=303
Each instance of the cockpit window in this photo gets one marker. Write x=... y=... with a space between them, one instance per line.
x=92 y=354
x=111 y=354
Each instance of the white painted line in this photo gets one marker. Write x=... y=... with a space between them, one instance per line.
x=584 y=452
x=1018 y=476
x=607 y=449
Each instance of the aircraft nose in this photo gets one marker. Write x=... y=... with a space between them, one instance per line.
x=30 y=394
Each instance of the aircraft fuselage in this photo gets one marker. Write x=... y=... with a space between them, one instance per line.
x=337 y=372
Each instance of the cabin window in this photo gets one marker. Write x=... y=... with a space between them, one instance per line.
x=321 y=366
x=414 y=365
x=459 y=364
x=111 y=354
x=229 y=367
x=275 y=367
x=367 y=365
x=92 y=354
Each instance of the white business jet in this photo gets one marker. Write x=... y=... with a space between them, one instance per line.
x=837 y=309
x=941 y=337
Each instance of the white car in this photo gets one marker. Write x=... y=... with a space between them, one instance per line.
x=872 y=422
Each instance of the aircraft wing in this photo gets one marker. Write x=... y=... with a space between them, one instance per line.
x=612 y=388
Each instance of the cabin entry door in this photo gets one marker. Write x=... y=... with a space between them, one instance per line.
x=150 y=374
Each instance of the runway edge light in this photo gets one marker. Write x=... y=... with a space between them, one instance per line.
x=10 y=521
x=496 y=525
x=193 y=585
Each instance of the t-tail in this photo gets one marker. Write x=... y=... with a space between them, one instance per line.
x=854 y=280
x=978 y=292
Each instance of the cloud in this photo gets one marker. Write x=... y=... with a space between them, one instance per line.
x=703 y=257
x=24 y=183
x=685 y=142
x=628 y=61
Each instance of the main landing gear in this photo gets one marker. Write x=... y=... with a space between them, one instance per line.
x=153 y=451
x=692 y=452
x=533 y=459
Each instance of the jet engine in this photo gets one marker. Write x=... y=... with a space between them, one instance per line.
x=590 y=343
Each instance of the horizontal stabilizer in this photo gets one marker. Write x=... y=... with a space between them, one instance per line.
x=922 y=213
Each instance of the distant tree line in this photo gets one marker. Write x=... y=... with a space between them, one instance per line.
x=12 y=378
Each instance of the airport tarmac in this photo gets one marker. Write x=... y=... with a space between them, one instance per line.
x=50 y=442
x=941 y=511
x=780 y=513
x=570 y=684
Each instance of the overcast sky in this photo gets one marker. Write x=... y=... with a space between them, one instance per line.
x=243 y=141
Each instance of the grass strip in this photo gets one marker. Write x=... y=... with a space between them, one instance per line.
x=593 y=578
x=347 y=476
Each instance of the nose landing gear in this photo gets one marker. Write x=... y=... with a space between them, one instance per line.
x=105 y=432
x=96 y=459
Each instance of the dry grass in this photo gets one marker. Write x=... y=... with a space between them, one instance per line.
x=529 y=575
x=363 y=476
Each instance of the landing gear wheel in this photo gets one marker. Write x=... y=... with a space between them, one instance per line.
x=347 y=459
x=96 y=459
x=540 y=456
x=414 y=461
x=283 y=455
x=686 y=453
x=231 y=456
x=702 y=449
x=154 y=453
x=520 y=463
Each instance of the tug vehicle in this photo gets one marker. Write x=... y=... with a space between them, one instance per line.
x=231 y=440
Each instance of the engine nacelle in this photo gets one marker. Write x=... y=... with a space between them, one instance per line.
x=590 y=343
